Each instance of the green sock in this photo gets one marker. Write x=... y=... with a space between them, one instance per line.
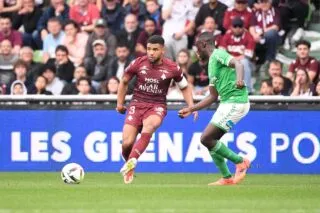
x=225 y=152
x=221 y=164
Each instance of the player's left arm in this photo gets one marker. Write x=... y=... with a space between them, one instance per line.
x=234 y=63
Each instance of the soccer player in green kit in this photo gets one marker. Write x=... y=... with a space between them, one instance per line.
x=225 y=79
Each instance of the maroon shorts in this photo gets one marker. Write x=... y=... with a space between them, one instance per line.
x=138 y=112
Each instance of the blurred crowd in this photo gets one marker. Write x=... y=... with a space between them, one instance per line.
x=83 y=46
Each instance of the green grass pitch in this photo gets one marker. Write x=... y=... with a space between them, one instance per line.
x=158 y=193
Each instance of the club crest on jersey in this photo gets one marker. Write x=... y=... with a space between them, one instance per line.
x=163 y=77
x=144 y=70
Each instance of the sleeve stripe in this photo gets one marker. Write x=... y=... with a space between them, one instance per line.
x=183 y=83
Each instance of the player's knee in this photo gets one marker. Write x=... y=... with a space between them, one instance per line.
x=204 y=140
x=127 y=143
x=148 y=128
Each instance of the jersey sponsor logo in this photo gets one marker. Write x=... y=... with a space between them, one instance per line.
x=151 y=80
x=164 y=71
x=236 y=48
x=152 y=88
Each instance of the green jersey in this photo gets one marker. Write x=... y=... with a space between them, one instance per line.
x=224 y=78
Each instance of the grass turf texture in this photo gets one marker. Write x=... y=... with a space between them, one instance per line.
x=158 y=193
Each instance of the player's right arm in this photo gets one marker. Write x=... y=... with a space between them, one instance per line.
x=123 y=86
x=207 y=101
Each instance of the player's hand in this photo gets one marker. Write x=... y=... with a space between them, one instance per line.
x=185 y=112
x=121 y=109
x=240 y=84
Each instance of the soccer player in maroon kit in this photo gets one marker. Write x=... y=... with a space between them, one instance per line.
x=147 y=108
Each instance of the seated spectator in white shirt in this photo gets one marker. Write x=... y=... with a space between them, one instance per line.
x=55 y=85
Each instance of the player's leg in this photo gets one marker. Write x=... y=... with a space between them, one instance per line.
x=129 y=135
x=150 y=125
x=209 y=139
x=223 y=120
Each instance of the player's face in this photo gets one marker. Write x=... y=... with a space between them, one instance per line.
x=302 y=51
x=202 y=52
x=155 y=52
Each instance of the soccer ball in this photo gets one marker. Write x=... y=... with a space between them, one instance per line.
x=72 y=173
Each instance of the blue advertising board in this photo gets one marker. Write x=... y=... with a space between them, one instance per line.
x=45 y=140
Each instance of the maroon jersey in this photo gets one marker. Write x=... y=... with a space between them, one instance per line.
x=232 y=13
x=312 y=65
x=264 y=19
x=237 y=46
x=153 y=80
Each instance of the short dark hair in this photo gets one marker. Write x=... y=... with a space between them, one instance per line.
x=87 y=79
x=122 y=44
x=207 y=38
x=72 y=22
x=149 y=18
x=156 y=39
x=303 y=42
x=267 y=81
x=55 y=19
x=62 y=48
x=276 y=62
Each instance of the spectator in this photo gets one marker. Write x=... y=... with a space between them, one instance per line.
x=84 y=86
x=210 y=26
x=278 y=85
x=264 y=29
x=302 y=84
x=154 y=12
x=54 y=38
x=298 y=10
x=137 y=8
x=275 y=70
x=240 y=44
x=7 y=60
x=71 y=88
x=101 y=32
x=55 y=85
x=18 y=88
x=114 y=14
x=178 y=21
x=10 y=8
x=214 y=9
x=110 y=86
x=98 y=3
x=6 y=32
x=266 y=88
x=63 y=65
x=130 y=32
x=149 y=30
x=304 y=61
x=241 y=10
x=120 y=62
x=34 y=68
x=198 y=77
x=85 y=14
x=20 y=73
x=57 y=8
x=39 y=87
x=75 y=41
x=184 y=61
x=98 y=67
x=28 y=17
x=317 y=91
